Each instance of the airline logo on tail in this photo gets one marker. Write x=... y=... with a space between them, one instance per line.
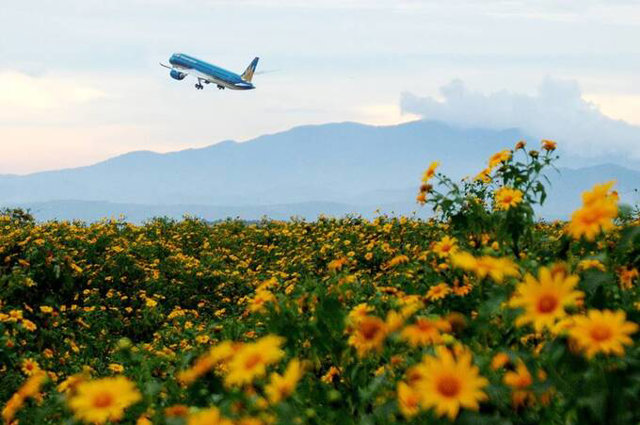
x=247 y=75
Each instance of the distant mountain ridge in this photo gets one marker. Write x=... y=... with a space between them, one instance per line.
x=344 y=167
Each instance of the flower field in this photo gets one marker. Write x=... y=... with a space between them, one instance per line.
x=482 y=315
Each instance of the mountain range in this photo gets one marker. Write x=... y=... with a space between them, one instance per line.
x=334 y=169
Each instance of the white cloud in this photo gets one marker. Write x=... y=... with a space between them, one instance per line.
x=558 y=111
x=23 y=96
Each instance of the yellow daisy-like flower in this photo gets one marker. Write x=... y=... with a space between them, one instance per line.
x=430 y=172
x=602 y=332
x=30 y=366
x=251 y=360
x=103 y=400
x=627 y=276
x=599 y=209
x=425 y=331
x=544 y=299
x=397 y=260
x=499 y=157
x=438 y=292
x=115 y=367
x=282 y=386
x=520 y=382
x=210 y=416
x=499 y=360
x=548 y=145
x=599 y=192
x=589 y=221
x=497 y=268
x=445 y=246
x=369 y=335
x=408 y=400
x=30 y=389
x=506 y=197
x=591 y=264
x=260 y=300
x=447 y=384
x=484 y=176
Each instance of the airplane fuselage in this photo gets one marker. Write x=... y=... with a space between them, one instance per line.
x=208 y=73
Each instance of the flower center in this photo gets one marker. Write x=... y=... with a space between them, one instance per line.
x=600 y=333
x=102 y=400
x=547 y=303
x=252 y=361
x=369 y=330
x=449 y=386
x=507 y=199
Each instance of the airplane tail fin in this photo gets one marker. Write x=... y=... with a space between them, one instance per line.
x=247 y=75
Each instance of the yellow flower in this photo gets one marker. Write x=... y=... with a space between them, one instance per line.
x=30 y=389
x=30 y=366
x=598 y=193
x=13 y=405
x=447 y=384
x=591 y=264
x=548 y=145
x=627 y=276
x=115 y=367
x=103 y=400
x=217 y=354
x=210 y=416
x=438 y=292
x=596 y=215
x=445 y=246
x=544 y=299
x=369 y=335
x=425 y=331
x=144 y=420
x=337 y=264
x=259 y=301
x=358 y=313
x=602 y=332
x=520 y=380
x=282 y=386
x=29 y=325
x=327 y=378
x=408 y=400
x=499 y=361
x=251 y=360
x=506 y=197
x=393 y=321
x=70 y=384
x=484 y=176
x=499 y=157
x=398 y=259
x=430 y=172
x=497 y=268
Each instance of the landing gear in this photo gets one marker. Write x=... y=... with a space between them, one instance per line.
x=199 y=86
x=220 y=87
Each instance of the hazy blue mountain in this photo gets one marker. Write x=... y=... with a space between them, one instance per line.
x=333 y=169
x=332 y=162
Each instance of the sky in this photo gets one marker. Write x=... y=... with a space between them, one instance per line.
x=80 y=80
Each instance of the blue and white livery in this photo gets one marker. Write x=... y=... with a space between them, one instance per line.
x=182 y=65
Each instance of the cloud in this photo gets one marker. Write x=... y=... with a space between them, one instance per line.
x=557 y=111
x=23 y=97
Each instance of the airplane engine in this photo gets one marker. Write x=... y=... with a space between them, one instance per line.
x=177 y=75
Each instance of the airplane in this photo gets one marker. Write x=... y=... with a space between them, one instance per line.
x=182 y=65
